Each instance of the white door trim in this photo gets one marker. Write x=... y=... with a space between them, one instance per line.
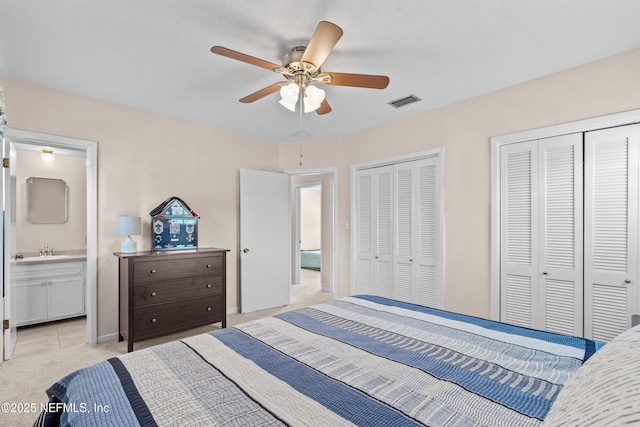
x=90 y=148
x=436 y=152
x=611 y=120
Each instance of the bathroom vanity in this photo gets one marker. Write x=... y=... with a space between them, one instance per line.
x=50 y=288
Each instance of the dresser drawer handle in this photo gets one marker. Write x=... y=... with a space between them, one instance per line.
x=154 y=320
x=208 y=285
x=208 y=265
x=153 y=271
x=153 y=294
x=208 y=308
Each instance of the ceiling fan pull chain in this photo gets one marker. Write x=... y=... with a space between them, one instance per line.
x=300 y=131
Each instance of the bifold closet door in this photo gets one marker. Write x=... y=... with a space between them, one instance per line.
x=374 y=231
x=519 y=234
x=560 y=222
x=541 y=234
x=611 y=227
x=416 y=236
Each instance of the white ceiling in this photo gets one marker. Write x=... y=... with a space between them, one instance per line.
x=154 y=54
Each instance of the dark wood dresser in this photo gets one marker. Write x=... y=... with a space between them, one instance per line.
x=169 y=291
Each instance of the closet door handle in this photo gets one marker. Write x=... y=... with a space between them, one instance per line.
x=627 y=281
x=544 y=273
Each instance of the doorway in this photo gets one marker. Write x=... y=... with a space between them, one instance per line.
x=314 y=212
x=309 y=209
x=29 y=142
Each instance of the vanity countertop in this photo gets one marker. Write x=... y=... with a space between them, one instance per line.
x=63 y=256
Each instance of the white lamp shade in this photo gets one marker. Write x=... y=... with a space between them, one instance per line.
x=315 y=94
x=129 y=225
x=289 y=94
x=313 y=97
x=288 y=105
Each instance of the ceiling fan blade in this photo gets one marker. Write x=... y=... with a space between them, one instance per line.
x=324 y=108
x=219 y=50
x=322 y=42
x=261 y=93
x=356 y=80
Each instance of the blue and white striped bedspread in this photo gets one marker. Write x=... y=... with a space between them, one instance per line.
x=362 y=360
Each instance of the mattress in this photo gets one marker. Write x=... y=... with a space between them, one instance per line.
x=360 y=360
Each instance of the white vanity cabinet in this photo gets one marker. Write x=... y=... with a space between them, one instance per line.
x=48 y=291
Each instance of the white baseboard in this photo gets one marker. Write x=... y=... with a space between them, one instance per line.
x=233 y=310
x=109 y=337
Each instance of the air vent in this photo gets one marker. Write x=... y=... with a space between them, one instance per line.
x=404 y=101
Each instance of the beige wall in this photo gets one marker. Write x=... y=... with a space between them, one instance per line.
x=464 y=129
x=310 y=218
x=144 y=158
x=60 y=237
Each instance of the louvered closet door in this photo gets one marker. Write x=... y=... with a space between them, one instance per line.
x=416 y=248
x=404 y=207
x=560 y=190
x=541 y=216
x=519 y=302
x=374 y=228
x=611 y=241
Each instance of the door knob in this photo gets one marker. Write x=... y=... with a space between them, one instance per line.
x=245 y=250
x=544 y=273
x=627 y=281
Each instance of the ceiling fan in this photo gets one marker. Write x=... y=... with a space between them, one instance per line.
x=301 y=69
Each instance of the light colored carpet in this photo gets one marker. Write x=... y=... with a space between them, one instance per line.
x=45 y=354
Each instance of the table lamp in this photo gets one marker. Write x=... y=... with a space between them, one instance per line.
x=128 y=226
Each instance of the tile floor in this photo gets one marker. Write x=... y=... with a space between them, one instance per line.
x=51 y=336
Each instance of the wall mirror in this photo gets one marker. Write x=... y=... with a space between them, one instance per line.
x=46 y=200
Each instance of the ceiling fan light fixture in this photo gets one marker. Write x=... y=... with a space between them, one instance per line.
x=309 y=106
x=289 y=94
x=288 y=105
x=313 y=97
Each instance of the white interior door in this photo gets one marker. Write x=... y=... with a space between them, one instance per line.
x=519 y=234
x=265 y=243
x=428 y=246
x=561 y=234
x=9 y=248
x=374 y=228
x=542 y=235
x=611 y=230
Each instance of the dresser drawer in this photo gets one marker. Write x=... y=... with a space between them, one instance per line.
x=157 y=270
x=161 y=292
x=159 y=319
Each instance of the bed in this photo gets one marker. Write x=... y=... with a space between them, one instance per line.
x=360 y=360
x=310 y=258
